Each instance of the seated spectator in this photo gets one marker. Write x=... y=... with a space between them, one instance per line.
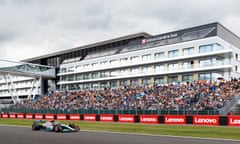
x=196 y=95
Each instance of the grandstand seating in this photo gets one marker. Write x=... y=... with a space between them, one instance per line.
x=181 y=97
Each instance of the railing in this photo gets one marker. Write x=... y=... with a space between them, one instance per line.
x=114 y=111
x=231 y=104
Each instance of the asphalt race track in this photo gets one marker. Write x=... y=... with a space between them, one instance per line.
x=24 y=135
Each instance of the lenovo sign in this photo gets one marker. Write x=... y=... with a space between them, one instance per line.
x=20 y=116
x=90 y=117
x=61 y=117
x=174 y=119
x=234 y=120
x=38 y=116
x=106 y=117
x=4 y=115
x=29 y=116
x=148 y=118
x=12 y=115
x=126 y=118
x=206 y=120
x=49 y=116
x=74 y=117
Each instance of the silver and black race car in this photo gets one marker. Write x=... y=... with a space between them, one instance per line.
x=54 y=126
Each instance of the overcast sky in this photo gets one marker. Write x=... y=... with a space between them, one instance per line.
x=30 y=28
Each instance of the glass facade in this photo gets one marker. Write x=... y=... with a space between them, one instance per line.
x=146 y=81
x=210 y=48
x=26 y=68
x=159 y=55
x=135 y=59
x=159 y=68
x=146 y=57
x=159 y=80
x=172 y=79
x=172 y=67
x=187 y=78
x=174 y=53
x=156 y=72
x=188 y=64
x=188 y=51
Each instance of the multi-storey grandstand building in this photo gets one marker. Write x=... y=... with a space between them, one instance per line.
x=205 y=52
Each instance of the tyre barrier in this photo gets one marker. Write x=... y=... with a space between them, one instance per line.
x=208 y=120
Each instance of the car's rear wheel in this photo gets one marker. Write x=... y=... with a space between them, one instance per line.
x=58 y=128
x=35 y=127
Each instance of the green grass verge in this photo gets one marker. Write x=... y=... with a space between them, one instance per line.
x=175 y=130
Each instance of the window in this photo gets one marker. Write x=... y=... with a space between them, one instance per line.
x=146 y=81
x=123 y=61
x=123 y=82
x=188 y=64
x=135 y=59
x=135 y=70
x=172 y=67
x=158 y=56
x=86 y=76
x=113 y=84
x=146 y=57
x=124 y=72
x=146 y=69
x=113 y=73
x=204 y=76
x=159 y=68
x=103 y=84
x=172 y=79
x=87 y=86
x=71 y=69
x=188 y=51
x=94 y=65
x=188 y=77
x=104 y=63
x=86 y=66
x=70 y=77
x=210 y=48
x=172 y=54
x=95 y=85
x=134 y=82
x=79 y=76
x=236 y=56
x=205 y=63
x=159 y=80
x=113 y=62
x=236 y=68
x=216 y=75
x=95 y=75
x=79 y=68
x=63 y=70
x=216 y=47
x=103 y=74
x=206 y=48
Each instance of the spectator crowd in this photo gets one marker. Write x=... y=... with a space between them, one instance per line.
x=196 y=95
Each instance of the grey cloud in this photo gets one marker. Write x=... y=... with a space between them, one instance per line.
x=54 y=24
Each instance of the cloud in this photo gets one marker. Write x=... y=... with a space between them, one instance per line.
x=35 y=27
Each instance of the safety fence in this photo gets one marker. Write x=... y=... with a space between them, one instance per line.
x=208 y=120
x=113 y=111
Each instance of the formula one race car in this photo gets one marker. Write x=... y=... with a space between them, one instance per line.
x=54 y=126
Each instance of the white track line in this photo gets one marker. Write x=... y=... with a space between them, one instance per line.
x=138 y=134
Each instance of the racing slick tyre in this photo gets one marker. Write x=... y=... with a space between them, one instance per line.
x=57 y=128
x=35 y=127
x=72 y=125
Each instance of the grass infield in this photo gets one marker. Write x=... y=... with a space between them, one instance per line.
x=174 y=130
